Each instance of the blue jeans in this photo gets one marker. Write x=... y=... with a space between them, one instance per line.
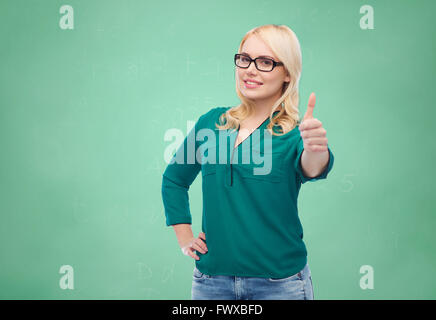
x=208 y=287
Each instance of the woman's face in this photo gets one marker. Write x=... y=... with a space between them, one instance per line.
x=272 y=82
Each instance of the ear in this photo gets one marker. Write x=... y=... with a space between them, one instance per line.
x=287 y=78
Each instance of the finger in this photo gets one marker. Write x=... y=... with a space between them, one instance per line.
x=192 y=254
x=197 y=247
x=202 y=235
x=201 y=245
x=310 y=124
x=310 y=107
x=316 y=141
x=310 y=133
x=316 y=148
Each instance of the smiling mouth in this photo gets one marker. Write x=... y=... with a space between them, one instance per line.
x=252 y=84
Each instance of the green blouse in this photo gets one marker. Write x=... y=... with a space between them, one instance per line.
x=250 y=214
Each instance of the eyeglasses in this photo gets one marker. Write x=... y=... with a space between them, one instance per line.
x=262 y=64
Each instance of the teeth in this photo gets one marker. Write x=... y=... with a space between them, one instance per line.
x=249 y=82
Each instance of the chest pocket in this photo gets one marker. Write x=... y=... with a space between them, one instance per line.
x=208 y=169
x=264 y=166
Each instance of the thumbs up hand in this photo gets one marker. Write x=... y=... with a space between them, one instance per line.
x=311 y=130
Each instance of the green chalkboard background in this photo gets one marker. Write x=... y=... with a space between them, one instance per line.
x=84 y=111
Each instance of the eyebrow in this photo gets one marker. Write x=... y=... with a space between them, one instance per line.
x=259 y=56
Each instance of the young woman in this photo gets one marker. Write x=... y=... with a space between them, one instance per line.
x=253 y=160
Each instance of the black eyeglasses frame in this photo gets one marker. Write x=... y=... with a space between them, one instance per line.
x=275 y=63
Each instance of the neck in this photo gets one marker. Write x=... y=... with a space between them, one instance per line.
x=263 y=107
x=263 y=112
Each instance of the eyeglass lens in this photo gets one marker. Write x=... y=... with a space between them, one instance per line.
x=263 y=64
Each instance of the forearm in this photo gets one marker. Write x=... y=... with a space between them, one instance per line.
x=183 y=233
x=314 y=163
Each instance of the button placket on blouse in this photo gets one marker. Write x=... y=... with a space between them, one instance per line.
x=233 y=137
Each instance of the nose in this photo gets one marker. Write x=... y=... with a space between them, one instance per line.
x=251 y=69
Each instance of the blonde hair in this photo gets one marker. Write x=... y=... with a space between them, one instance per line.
x=285 y=45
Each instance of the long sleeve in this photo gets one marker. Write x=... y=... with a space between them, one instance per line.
x=297 y=164
x=177 y=178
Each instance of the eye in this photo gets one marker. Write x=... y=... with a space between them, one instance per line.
x=266 y=62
